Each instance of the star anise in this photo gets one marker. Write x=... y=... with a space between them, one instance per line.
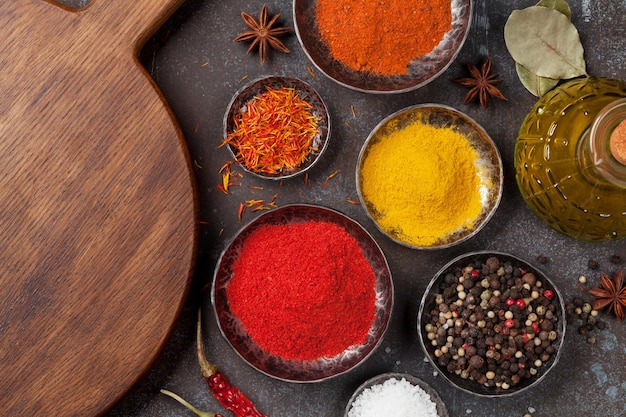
x=482 y=84
x=611 y=294
x=262 y=33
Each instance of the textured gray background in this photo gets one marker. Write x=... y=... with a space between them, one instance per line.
x=198 y=68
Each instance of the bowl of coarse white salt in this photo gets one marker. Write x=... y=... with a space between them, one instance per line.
x=395 y=394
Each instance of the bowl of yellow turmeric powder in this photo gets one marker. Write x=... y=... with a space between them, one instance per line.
x=429 y=176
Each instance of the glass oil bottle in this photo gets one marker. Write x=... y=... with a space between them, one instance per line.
x=570 y=162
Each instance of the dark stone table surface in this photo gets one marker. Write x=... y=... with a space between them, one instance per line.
x=198 y=67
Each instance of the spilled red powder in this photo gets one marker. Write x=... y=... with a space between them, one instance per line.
x=303 y=291
x=382 y=36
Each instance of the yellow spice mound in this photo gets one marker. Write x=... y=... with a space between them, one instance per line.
x=422 y=182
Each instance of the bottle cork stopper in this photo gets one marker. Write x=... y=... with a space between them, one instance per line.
x=617 y=142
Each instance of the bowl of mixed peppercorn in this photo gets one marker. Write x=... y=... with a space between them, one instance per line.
x=492 y=324
x=276 y=127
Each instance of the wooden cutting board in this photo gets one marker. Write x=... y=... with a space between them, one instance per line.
x=97 y=206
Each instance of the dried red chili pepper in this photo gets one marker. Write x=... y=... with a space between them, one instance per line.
x=228 y=395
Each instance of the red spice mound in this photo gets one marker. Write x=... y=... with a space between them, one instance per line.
x=303 y=291
x=382 y=37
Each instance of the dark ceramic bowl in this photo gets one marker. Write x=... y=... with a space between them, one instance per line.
x=488 y=164
x=420 y=72
x=306 y=92
x=311 y=370
x=428 y=307
x=442 y=411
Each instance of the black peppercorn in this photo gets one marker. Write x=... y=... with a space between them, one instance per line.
x=493 y=263
x=476 y=362
x=529 y=278
x=443 y=360
x=480 y=344
x=546 y=325
x=494 y=282
x=470 y=350
x=450 y=279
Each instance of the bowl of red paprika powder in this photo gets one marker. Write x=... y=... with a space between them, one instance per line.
x=492 y=324
x=382 y=47
x=303 y=293
x=276 y=127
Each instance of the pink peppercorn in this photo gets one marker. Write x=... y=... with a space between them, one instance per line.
x=549 y=294
x=535 y=326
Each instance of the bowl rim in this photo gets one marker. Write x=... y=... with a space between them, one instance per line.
x=388 y=281
x=287 y=80
x=453 y=57
x=483 y=133
x=442 y=410
x=562 y=325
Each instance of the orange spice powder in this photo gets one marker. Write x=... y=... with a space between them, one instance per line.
x=382 y=36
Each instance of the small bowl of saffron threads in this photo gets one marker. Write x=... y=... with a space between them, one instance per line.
x=303 y=293
x=276 y=127
x=382 y=47
x=395 y=394
x=429 y=176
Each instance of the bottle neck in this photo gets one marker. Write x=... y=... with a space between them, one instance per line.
x=605 y=145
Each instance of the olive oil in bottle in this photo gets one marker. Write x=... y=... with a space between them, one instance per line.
x=570 y=162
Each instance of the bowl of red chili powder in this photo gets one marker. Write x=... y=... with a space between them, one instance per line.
x=276 y=127
x=382 y=47
x=303 y=293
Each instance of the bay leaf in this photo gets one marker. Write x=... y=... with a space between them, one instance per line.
x=535 y=84
x=560 y=5
x=545 y=41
